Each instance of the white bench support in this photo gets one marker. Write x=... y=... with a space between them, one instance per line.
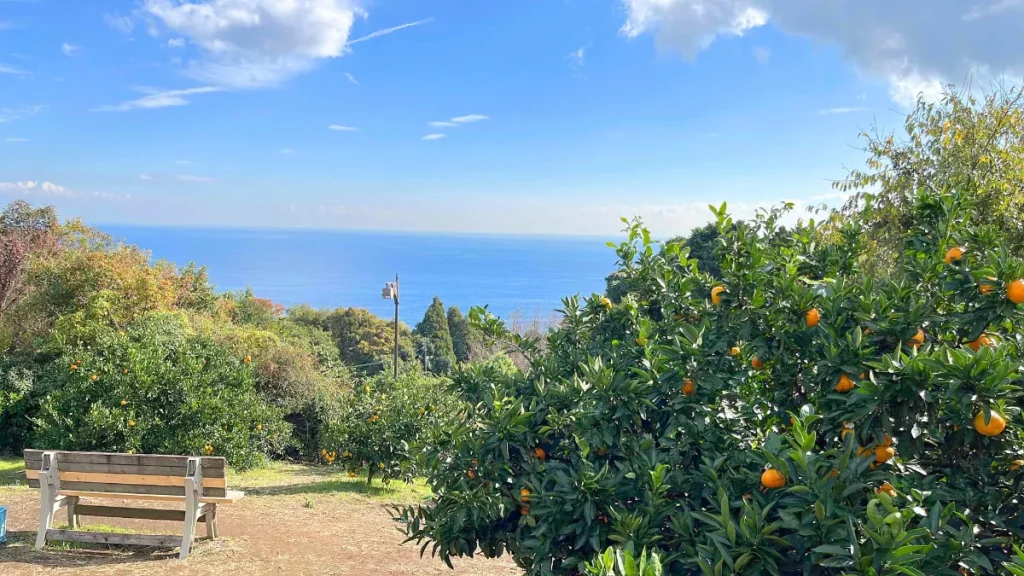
x=193 y=492
x=50 y=501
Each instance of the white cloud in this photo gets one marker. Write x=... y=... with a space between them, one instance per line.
x=443 y=124
x=762 y=54
x=15 y=139
x=194 y=179
x=122 y=24
x=578 y=57
x=288 y=152
x=5 y=69
x=176 y=43
x=340 y=128
x=840 y=110
x=260 y=43
x=69 y=49
x=155 y=98
x=146 y=177
x=12 y=114
x=914 y=46
x=470 y=118
x=435 y=136
x=34 y=188
x=351 y=78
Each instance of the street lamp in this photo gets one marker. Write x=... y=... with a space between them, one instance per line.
x=390 y=292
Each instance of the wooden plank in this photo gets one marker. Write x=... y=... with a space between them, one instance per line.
x=230 y=496
x=116 y=539
x=129 y=459
x=143 y=480
x=138 y=513
x=130 y=469
x=211 y=492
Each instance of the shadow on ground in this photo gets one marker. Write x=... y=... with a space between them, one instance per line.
x=324 y=487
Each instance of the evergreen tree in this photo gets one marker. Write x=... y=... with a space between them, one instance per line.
x=458 y=325
x=434 y=329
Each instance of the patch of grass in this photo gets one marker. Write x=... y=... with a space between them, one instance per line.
x=286 y=478
x=12 y=471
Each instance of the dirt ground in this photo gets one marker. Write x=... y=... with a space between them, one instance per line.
x=293 y=521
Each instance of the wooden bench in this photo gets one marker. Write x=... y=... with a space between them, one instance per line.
x=64 y=478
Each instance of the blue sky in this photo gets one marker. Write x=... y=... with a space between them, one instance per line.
x=534 y=116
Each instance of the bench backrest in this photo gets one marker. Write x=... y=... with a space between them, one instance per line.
x=143 y=474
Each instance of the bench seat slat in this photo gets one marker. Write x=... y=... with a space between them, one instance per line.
x=139 y=479
x=229 y=497
x=104 y=538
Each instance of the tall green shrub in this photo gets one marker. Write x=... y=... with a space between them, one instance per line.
x=435 y=332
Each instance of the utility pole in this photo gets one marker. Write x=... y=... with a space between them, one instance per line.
x=390 y=292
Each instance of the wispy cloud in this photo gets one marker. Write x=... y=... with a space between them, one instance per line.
x=841 y=110
x=762 y=54
x=443 y=124
x=578 y=57
x=155 y=98
x=69 y=49
x=122 y=24
x=194 y=179
x=435 y=136
x=470 y=118
x=46 y=188
x=15 y=139
x=12 y=114
x=340 y=128
x=387 y=31
x=5 y=69
x=997 y=7
x=351 y=78
x=176 y=43
x=288 y=152
x=145 y=177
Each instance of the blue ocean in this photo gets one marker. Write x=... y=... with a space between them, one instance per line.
x=334 y=269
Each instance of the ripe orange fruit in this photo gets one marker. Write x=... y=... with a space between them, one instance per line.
x=756 y=363
x=1016 y=464
x=470 y=473
x=1015 y=291
x=735 y=351
x=524 y=510
x=918 y=339
x=887 y=440
x=540 y=453
x=994 y=427
x=606 y=302
x=524 y=495
x=845 y=384
x=689 y=389
x=94 y=377
x=884 y=453
x=772 y=478
x=247 y=359
x=862 y=451
x=982 y=340
x=131 y=423
x=716 y=295
x=812 y=317
x=351 y=474
x=986 y=287
x=954 y=254
x=886 y=488
x=124 y=402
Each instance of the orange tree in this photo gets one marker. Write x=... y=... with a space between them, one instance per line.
x=792 y=416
